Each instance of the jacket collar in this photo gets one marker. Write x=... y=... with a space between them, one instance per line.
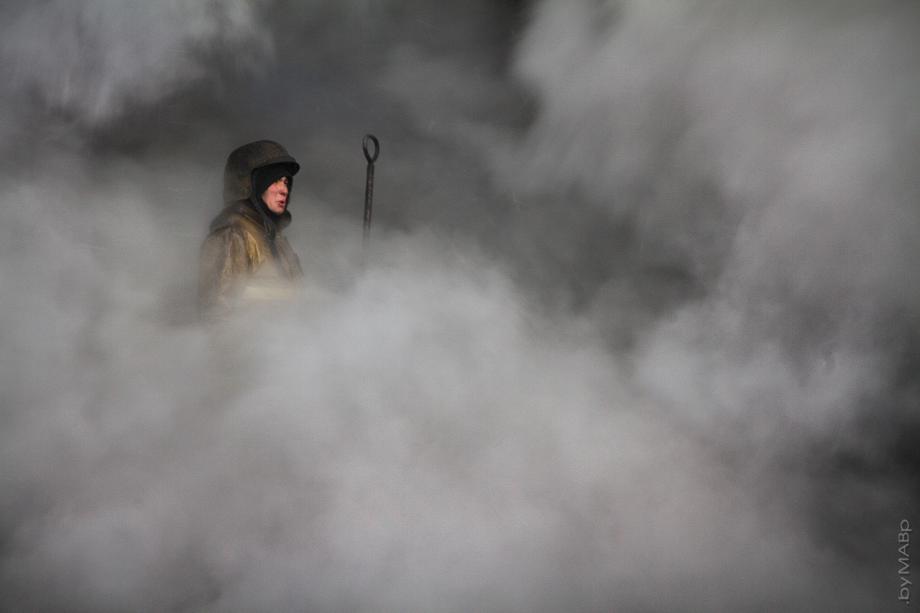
x=247 y=209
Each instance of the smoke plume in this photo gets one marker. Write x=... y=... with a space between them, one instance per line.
x=636 y=328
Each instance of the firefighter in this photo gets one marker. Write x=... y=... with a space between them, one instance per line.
x=245 y=258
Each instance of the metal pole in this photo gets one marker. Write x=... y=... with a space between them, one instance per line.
x=371 y=157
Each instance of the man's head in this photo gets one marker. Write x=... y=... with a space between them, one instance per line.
x=239 y=171
x=273 y=184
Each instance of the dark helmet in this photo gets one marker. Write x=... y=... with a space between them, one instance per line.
x=243 y=160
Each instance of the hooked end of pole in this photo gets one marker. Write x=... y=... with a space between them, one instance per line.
x=370 y=155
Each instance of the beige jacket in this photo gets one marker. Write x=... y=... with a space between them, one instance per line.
x=244 y=260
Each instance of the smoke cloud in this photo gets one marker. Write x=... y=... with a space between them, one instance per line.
x=93 y=59
x=636 y=329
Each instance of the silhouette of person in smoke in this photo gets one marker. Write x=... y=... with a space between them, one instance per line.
x=245 y=258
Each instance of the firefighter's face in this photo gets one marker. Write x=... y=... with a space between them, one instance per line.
x=275 y=196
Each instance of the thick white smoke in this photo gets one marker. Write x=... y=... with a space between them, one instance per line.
x=609 y=349
x=422 y=440
x=762 y=151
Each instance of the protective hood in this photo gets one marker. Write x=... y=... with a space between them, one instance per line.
x=243 y=160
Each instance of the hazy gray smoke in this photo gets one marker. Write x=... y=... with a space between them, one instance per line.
x=636 y=330
x=93 y=58
x=754 y=150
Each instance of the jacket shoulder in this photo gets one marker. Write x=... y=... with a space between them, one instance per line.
x=234 y=216
x=234 y=234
